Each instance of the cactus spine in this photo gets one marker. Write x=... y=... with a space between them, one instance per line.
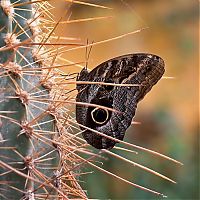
x=38 y=154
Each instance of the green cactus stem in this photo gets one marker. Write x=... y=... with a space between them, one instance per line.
x=27 y=128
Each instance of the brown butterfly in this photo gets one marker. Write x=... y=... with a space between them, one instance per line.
x=142 y=69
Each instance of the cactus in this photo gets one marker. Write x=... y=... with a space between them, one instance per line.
x=31 y=159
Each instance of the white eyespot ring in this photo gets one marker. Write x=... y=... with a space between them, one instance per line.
x=99 y=122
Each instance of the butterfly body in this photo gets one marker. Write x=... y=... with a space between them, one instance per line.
x=142 y=69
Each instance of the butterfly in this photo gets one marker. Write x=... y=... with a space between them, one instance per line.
x=142 y=71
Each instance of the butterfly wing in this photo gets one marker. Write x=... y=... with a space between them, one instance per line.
x=145 y=70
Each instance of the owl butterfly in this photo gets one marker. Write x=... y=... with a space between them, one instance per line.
x=142 y=69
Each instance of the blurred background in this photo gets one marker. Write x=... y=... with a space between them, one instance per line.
x=169 y=113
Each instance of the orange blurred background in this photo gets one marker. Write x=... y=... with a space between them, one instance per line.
x=169 y=113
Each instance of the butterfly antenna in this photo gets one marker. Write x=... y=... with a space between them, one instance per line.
x=88 y=56
x=86 y=52
x=90 y=49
